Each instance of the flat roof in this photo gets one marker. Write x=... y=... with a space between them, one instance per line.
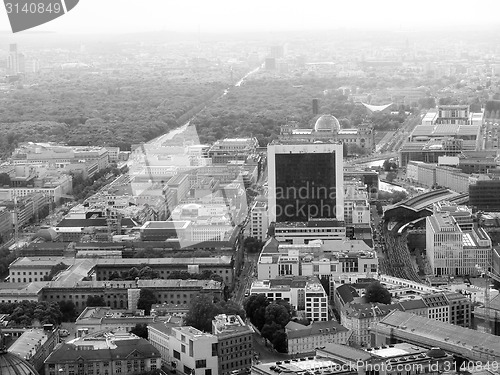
x=434 y=331
x=440 y=130
x=220 y=260
x=180 y=224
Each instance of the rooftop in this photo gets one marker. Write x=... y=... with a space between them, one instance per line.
x=229 y=325
x=434 y=331
x=28 y=343
x=119 y=349
x=296 y=330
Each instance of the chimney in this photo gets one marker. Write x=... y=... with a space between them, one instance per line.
x=315 y=104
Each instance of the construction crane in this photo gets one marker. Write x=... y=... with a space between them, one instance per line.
x=488 y=275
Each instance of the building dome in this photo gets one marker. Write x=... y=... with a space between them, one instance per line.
x=48 y=234
x=11 y=364
x=436 y=353
x=327 y=124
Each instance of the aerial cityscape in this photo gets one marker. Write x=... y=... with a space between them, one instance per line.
x=258 y=197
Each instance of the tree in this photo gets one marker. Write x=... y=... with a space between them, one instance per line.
x=389 y=165
x=376 y=292
x=115 y=275
x=276 y=313
x=140 y=330
x=253 y=245
x=54 y=271
x=269 y=329
x=279 y=341
x=147 y=273
x=4 y=179
x=132 y=274
x=391 y=176
x=147 y=298
x=255 y=307
x=68 y=311
x=231 y=308
x=95 y=301
x=201 y=313
x=26 y=312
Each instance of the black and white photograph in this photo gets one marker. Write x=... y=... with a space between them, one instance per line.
x=216 y=187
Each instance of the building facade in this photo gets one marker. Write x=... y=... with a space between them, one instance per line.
x=193 y=351
x=259 y=221
x=305 y=294
x=235 y=343
x=451 y=248
x=305 y=181
x=305 y=339
x=104 y=355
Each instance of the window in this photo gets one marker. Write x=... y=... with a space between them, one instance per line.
x=200 y=363
x=183 y=348
x=208 y=371
x=177 y=355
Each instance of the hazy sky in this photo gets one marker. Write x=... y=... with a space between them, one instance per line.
x=268 y=15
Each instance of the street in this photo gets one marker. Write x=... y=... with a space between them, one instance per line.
x=244 y=281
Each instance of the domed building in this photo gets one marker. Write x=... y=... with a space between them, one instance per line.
x=328 y=128
x=327 y=124
x=11 y=364
x=436 y=353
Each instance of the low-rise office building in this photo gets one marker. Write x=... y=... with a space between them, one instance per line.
x=337 y=260
x=306 y=339
x=103 y=354
x=259 y=222
x=193 y=351
x=95 y=319
x=305 y=294
x=235 y=343
x=453 y=247
x=35 y=345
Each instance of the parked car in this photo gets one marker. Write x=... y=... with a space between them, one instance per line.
x=64 y=333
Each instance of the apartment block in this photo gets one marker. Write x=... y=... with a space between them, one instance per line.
x=104 y=354
x=193 y=351
x=453 y=247
x=235 y=338
x=305 y=294
x=305 y=339
x=259 y=221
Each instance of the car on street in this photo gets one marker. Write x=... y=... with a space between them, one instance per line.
x=64 y=333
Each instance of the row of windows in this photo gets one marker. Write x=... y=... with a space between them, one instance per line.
x=247 y=353
x=235 y=341
x=29 y=273
x=234 y=348
x=106 y=272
